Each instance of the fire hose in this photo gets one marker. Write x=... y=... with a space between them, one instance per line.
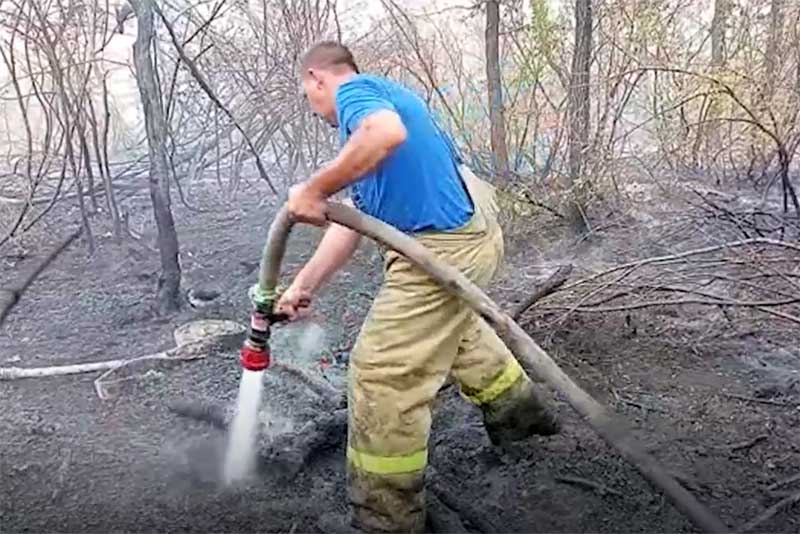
x=533 y=359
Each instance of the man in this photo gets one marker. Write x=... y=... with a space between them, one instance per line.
x=401 y=169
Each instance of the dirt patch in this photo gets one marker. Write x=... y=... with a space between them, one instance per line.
x=72 y=463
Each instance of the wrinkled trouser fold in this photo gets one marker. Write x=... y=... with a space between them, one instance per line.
x=414 y=337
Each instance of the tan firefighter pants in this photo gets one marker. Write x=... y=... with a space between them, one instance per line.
x=415 y=335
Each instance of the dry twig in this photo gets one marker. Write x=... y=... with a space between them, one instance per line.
x=745 y=398
x=10 y=297
x=753 y=274
x=671 y=258
x=602 y=489
x=553 y=282
x=767 y=514
x=785 y=482
x=744 y=445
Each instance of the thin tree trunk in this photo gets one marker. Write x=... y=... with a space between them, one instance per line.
x=771 y=59
x=110 y=186
x=797 y=54
x=718 y=36
x=169 y=281
x=495 y=89
x=75 y=166
x=217 y=172
x=706 y=134
x=102 y=167
x=87 y=163
x=762 y=97
x=76 y=172
x=578 y=122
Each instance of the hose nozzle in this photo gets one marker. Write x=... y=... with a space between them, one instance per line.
x=255 y=353
x=254 y=358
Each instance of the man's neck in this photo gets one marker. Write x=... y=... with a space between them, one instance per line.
x=339 y=79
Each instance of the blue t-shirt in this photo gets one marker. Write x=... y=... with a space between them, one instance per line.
x=418 y=186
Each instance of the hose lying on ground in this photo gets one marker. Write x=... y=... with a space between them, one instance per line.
x=536 y=362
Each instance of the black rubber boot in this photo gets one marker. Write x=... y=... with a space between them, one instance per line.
x=519 y=413
x=390 y=503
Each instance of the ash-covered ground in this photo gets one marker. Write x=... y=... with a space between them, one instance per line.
x=74 y=463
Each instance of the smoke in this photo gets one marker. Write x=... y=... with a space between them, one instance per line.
x=302 y=343
x=311 y=342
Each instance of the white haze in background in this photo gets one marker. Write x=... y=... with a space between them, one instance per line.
x=356 y=17
x=311 y=341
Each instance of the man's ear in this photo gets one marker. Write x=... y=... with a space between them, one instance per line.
x=314 y=75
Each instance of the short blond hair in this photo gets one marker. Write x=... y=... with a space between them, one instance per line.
x=329 y=55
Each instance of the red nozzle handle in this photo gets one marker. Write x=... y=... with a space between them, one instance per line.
x=254 y=359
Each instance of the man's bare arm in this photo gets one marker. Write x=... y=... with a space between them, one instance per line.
x=375 y=138
x=333 y=251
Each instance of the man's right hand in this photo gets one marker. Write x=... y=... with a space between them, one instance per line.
x=295 y=302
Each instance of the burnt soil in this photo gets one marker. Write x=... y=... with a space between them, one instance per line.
x=74 y=463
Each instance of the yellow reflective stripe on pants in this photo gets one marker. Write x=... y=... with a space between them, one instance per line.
x=388 y=465
x=499 y=385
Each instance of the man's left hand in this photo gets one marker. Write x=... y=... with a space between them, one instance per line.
x=305 y=204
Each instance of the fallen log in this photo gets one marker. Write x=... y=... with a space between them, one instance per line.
x=191 y=351
x=533 y=358
x=14 y=373
x=290 y=453
x=183 y=353
x=285 y=453
x=194 y=340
